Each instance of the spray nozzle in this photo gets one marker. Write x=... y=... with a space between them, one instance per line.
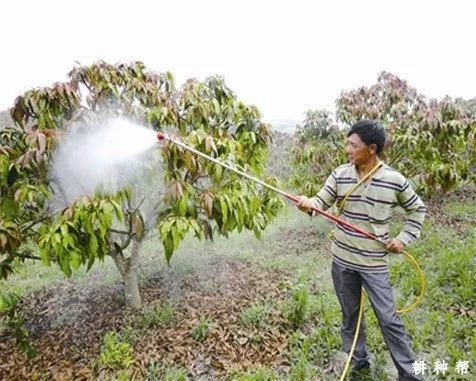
x=160 y=136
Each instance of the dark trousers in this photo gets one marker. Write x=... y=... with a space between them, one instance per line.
x=348 y=284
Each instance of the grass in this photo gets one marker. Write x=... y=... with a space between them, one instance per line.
x=256 y=315
x=460 y=209
x=160 y=315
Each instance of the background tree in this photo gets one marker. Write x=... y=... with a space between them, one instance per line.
x=199 y=196
x=468 y=106
x=429 y=139
x=318 y=149
x=280 y=155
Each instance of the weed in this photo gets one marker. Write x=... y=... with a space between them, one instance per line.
x=122 y=375
x=379 y=363
x=302 y=370
x=301 y=354
x=460 y=209
x=256 y=315
x=159 y=315
x=258 y=374
x=3 y=325
x=202 y=329
x=13 y=320
x=448 y=263
x=115 y=353
x=297 y=307
x=39 y=375
x=161 y=372
x=129 y=334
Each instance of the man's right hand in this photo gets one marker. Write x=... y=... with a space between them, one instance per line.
x=304 y=203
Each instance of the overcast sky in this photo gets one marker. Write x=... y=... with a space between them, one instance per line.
x=284 y=56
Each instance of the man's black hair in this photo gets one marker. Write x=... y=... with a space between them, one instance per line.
x=370 y=132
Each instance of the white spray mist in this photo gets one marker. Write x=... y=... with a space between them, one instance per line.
x=105 y=157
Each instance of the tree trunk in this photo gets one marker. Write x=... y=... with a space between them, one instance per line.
x=128 y=268
x=131 y=287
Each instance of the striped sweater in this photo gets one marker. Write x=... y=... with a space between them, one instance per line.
x=369 y=207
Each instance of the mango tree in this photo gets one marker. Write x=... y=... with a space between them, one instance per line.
x=199 y=196
x=430 y=139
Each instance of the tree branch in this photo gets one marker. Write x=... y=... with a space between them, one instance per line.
x=137 y=208
x=28 y=256
x=119 y=231
x=119 y=261
x=127 y=241
x=33 y=223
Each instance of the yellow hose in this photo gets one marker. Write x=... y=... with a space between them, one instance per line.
x=356 y=336
x=422 y=282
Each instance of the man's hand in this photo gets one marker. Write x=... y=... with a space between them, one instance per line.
x=304 y=203
x=395 y=246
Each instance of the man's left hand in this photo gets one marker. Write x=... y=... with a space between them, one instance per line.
x=395 y=246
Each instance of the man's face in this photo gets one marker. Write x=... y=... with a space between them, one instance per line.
x=357 y=151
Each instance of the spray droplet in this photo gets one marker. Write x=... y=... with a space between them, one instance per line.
x=103 y=157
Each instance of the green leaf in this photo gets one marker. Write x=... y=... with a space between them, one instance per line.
x=174 y=236
x=75 y=260
x=93 y=245
x=224 y=209
x=168 y=249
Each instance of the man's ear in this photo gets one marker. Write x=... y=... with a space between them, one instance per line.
x=373 y=148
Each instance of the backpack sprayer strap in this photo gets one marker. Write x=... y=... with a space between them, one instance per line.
x=341 y=204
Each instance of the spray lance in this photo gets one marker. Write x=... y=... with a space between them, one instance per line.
x=162 y=136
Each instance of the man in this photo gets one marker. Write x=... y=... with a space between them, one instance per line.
x=362 y=262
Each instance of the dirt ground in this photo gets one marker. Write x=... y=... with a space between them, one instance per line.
x=67 y=325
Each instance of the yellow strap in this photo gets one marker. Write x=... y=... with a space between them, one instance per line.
x=352 y=190
x=341 y=204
